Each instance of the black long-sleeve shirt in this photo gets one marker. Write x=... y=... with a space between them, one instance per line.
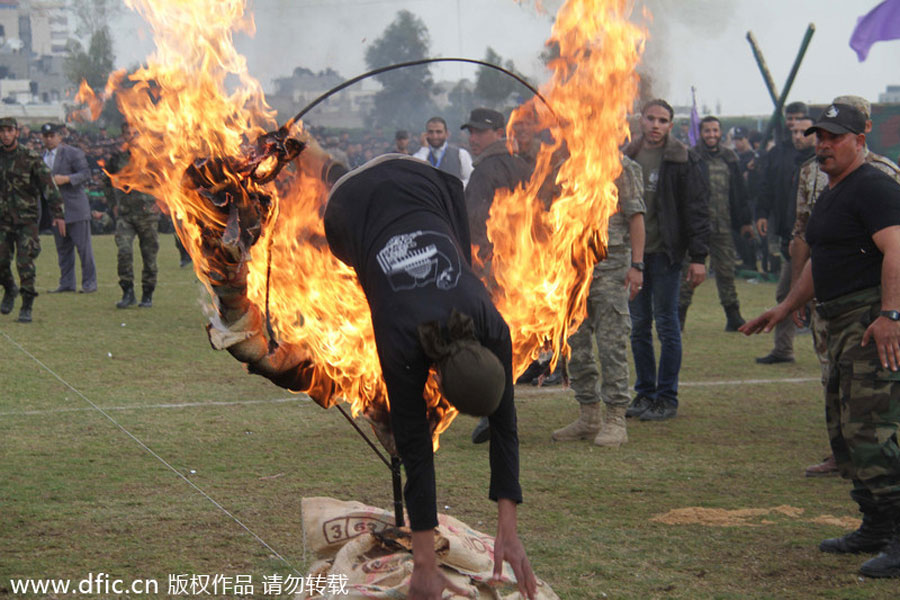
x=402 y=226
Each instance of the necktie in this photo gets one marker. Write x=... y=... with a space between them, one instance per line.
x=433 y=159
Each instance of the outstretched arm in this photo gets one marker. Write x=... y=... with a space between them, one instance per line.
x=801 y=293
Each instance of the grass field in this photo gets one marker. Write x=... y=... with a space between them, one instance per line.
x=79 y=496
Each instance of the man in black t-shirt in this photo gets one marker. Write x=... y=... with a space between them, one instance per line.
x=402 y=225
x=854 y=274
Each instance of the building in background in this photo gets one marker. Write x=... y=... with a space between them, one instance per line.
x=34 y=35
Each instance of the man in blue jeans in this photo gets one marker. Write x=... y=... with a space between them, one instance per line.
x=676 y=222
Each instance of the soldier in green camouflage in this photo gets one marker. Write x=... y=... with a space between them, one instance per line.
x=137 y=214
x=729 y=209
x=24 y=180
x=853 y=235
x=616 y=280
x=811 y=182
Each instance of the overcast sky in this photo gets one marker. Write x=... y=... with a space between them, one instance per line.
x=694 y=42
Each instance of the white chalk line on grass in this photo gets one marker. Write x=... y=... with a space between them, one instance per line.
x=50 y=411
x=524 y=391
x=151 y=452
x=521 y=391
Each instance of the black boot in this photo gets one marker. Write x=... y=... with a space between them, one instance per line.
x=873 y=535
x=128 y=298
x=25 y=311
x=146 y=298
x=733 y=316
x=682 y=315
x=482 y=431
x=886 y=564
x=9 y=298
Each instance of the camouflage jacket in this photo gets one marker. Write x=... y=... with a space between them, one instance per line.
x=811 y=180
x=132 y=203
x=630 y=185
x=24 y=180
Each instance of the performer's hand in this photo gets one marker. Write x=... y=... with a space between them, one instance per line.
x=764 y=322
x=429 y=584
x=508 y=547
x=634 y=281
x=696 y=274
x=762 y=226
x=61 y=179
x=747 y=231
x=887 y=339
x=60 y=225
x=799 y=317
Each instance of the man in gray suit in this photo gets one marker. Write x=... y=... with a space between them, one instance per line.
x=70 y=172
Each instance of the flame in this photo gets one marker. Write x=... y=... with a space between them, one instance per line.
x=194 y=105
x=543 y=259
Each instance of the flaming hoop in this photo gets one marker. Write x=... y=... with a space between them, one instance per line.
x=203 y=151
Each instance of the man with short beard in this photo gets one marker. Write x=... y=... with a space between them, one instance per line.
x=854 y=273
x=729 y=209
x=24 y=180
x=440 y=153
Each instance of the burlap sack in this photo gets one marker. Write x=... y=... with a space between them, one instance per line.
x=359 y=542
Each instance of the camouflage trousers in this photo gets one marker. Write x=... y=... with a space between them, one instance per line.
x=862 y=406
x=820 y=342
x=609 y=322
x=145 y=228
x=722 y=260
x=23 y=242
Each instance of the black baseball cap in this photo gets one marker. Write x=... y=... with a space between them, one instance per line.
x=740 y=133
x=48 y=128
x=485 y=118
x=839 y=119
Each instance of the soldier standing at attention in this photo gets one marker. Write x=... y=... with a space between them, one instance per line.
x=616 y=279
x=24 y=180
x=136 y=215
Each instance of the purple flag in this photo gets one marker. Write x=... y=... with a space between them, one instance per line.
x=694 y=130
x=881 y=23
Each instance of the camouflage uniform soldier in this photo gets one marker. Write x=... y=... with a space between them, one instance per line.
x=811 y=182
x=729 y=210
x=136 y=215
x=24 y=180
x=608 y=321
x=854 y=241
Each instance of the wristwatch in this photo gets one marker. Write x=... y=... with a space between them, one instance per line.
x=893 y=315
x=640 y=267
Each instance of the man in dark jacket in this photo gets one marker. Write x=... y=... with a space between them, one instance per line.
x=494 y=168
x=775 y=216
x=729 y=209
x=676 y=222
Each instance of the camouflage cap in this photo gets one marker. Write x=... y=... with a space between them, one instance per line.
x=472 y=379
x=8 y=122
x=857 y=102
